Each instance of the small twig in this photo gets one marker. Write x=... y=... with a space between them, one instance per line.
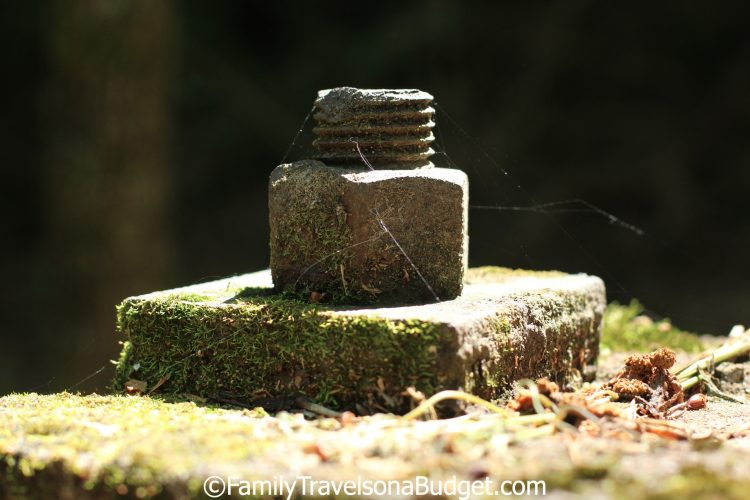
x=580 y=410
x=671 y=411
x=688 y=383
x=418 y=397
x=343 y=280
x=662 y=428
x=734 y=347
x=160 y=383
x=535 y=432
x=455 y=395
x=711 y=387
x=537 y=399
x=316 y=408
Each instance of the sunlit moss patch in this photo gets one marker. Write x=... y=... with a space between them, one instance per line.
x=237 y=339
x=626 y=328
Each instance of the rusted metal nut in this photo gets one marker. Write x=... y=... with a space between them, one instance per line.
x=696 y=402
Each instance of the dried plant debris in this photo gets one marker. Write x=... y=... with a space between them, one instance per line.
x=704 y=371
x=588 y=404
x=647 y=381
x=523 y=402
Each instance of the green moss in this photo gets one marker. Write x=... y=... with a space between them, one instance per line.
x=85 y=447
x=68 y=446
x=192 y=297
x=627 y=329
x=274 y=346
x=554 y=334
x=236 y=339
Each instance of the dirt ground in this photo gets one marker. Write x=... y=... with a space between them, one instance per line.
x=148 y=447
x=720 y=415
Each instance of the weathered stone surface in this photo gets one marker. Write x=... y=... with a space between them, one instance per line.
x=392 y=128
x=731 y=372
x=101 y=447
x=234 y=337
x=360 y=235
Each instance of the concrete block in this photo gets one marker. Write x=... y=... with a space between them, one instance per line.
x=236 y=337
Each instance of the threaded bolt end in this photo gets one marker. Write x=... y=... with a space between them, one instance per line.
x=392 y=128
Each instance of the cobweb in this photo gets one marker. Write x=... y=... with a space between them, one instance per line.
x=506 y=195
x=488 y=177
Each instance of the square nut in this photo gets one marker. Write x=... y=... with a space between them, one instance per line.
x=362 y=236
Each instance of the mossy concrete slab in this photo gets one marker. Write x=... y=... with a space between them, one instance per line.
x=236 y=338
x=98 y=447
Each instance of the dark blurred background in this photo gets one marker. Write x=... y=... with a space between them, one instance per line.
x=137 y=139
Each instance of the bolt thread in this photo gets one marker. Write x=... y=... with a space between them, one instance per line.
x=391 y=128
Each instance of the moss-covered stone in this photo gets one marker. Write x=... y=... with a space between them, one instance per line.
x=98 y=447
x=235 y=338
